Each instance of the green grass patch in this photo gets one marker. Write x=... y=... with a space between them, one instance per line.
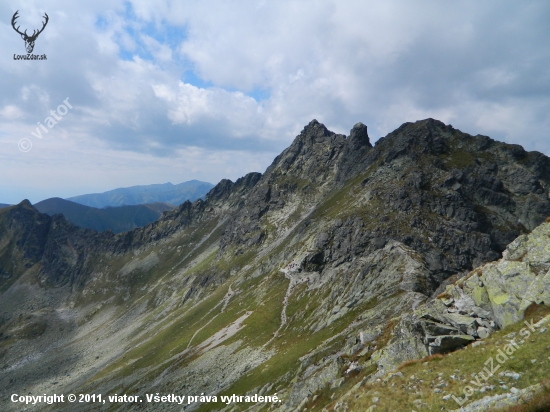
x=290 y=346
x=165 y=343
x=422 y=377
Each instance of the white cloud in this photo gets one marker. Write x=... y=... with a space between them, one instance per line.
x=170 y=77
x=160 y=51
x=11 y=112
x=190 y=105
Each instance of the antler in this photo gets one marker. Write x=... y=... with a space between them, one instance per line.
x=43 y=25
x=34 y=33
x=15 y=16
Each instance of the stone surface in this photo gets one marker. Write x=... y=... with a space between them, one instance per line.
x=335 y=251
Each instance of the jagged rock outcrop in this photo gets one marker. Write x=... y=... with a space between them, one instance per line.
x=66 y=252
x=489 y=298
x=305 y=275
x=30 y=238
x=455 y=198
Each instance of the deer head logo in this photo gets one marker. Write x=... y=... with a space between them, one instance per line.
x=29 y=40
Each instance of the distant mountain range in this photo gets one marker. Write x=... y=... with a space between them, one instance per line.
x=137 y=195
x=118 y=219
x=123 y=209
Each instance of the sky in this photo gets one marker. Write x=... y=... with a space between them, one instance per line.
x=170 y=91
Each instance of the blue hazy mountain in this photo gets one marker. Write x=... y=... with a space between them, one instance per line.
x=118 y=219
x=137 y=195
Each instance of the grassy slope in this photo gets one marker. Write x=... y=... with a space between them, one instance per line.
x=262 y=295
x=149 y=355
x=416 y=388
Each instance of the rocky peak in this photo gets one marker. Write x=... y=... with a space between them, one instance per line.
x=25 y=203
x=320 y=155
x=232 y=193
x=313 y=130
x=311 y=166
x=32 y=237
x=444 y=183
x=24 y=232
x=359 y=135
x=354 y=158
x=427 y=136
x=312 y=150
x=220 y=191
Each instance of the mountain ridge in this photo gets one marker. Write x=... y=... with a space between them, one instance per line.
x=145 y=194
x=333 y=242
x=117 y=219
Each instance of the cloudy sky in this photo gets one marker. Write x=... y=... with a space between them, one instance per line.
x=169 y=91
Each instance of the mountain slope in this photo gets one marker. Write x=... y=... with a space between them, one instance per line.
x=276 y=283
x=118 y=219
x=137 y=195
x=496 y=296
x=3 y=205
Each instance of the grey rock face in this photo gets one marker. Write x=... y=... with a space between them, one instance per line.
x=342 y=241
x=489 y=298
x=456 y=199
